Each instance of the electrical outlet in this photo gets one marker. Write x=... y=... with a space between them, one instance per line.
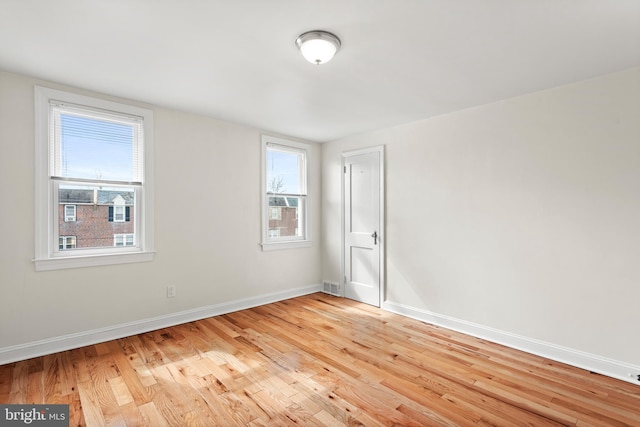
x=171 y=291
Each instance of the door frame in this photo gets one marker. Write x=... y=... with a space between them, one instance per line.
x=381 y=233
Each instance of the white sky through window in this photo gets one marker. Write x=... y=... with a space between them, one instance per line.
x=285 y=165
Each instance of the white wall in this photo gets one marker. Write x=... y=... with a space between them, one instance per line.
x=207 y=231
x=522 y=216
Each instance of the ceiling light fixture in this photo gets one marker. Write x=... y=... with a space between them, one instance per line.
x=318 y=46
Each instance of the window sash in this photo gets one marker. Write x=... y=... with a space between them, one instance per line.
x=279 y=236
x=288 y=231
x=59 y=176
x=296 y=231
x=47 y=255
x=95 y=250
x=302 y=167
x=56 y=152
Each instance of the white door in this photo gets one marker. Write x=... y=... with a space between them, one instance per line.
x=362 y=209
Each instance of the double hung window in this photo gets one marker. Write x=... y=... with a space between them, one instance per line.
x=285 y=203
x=92 y=181
x=69 y=213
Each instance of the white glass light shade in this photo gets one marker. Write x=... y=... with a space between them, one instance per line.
x=318 y=47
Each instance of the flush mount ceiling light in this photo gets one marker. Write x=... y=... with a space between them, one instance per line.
x=318 y=46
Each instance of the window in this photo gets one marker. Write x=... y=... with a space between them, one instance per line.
x=123 y=240
x=69 y=213
x=119 y=213
x=276 y=213
x=285 y=198
x=94 y=158
x=66 y=242
x=274 y=233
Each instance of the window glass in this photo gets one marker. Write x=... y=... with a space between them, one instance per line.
x=94 y=148
x=284 y=171
x=285 y=187
x=94 y=180
x=99 y=146
x=98 y=219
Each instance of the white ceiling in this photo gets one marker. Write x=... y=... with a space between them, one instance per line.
x=401 y=60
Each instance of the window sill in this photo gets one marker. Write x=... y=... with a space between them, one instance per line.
x=49 y=264
x=285 y=245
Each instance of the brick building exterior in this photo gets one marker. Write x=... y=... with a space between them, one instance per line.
x=283 y=216
x=95 y=218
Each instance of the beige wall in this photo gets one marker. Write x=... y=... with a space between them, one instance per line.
x=207 y=230
x=522 y=215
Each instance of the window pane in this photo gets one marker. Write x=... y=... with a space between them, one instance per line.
x=97 y=222
x=284 y=218
x=95 y=148
x=284 y=172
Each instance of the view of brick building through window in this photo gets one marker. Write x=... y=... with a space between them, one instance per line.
x=283 y=216
x=93 y=218
x=284 y=210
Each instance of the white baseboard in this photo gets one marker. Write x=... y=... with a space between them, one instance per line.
x=602 y=365
x=80 y=339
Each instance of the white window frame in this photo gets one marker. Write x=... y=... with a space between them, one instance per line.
x=270 y=242
x=67 y=217
x=47 y=255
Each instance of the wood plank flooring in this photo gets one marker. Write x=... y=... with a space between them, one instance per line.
x=315 y=361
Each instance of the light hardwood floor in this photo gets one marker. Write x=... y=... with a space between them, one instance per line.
x=315 y=361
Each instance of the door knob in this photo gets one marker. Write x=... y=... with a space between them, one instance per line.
x=375 y=237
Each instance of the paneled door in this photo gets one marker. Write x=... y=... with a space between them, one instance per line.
x=363 y=224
